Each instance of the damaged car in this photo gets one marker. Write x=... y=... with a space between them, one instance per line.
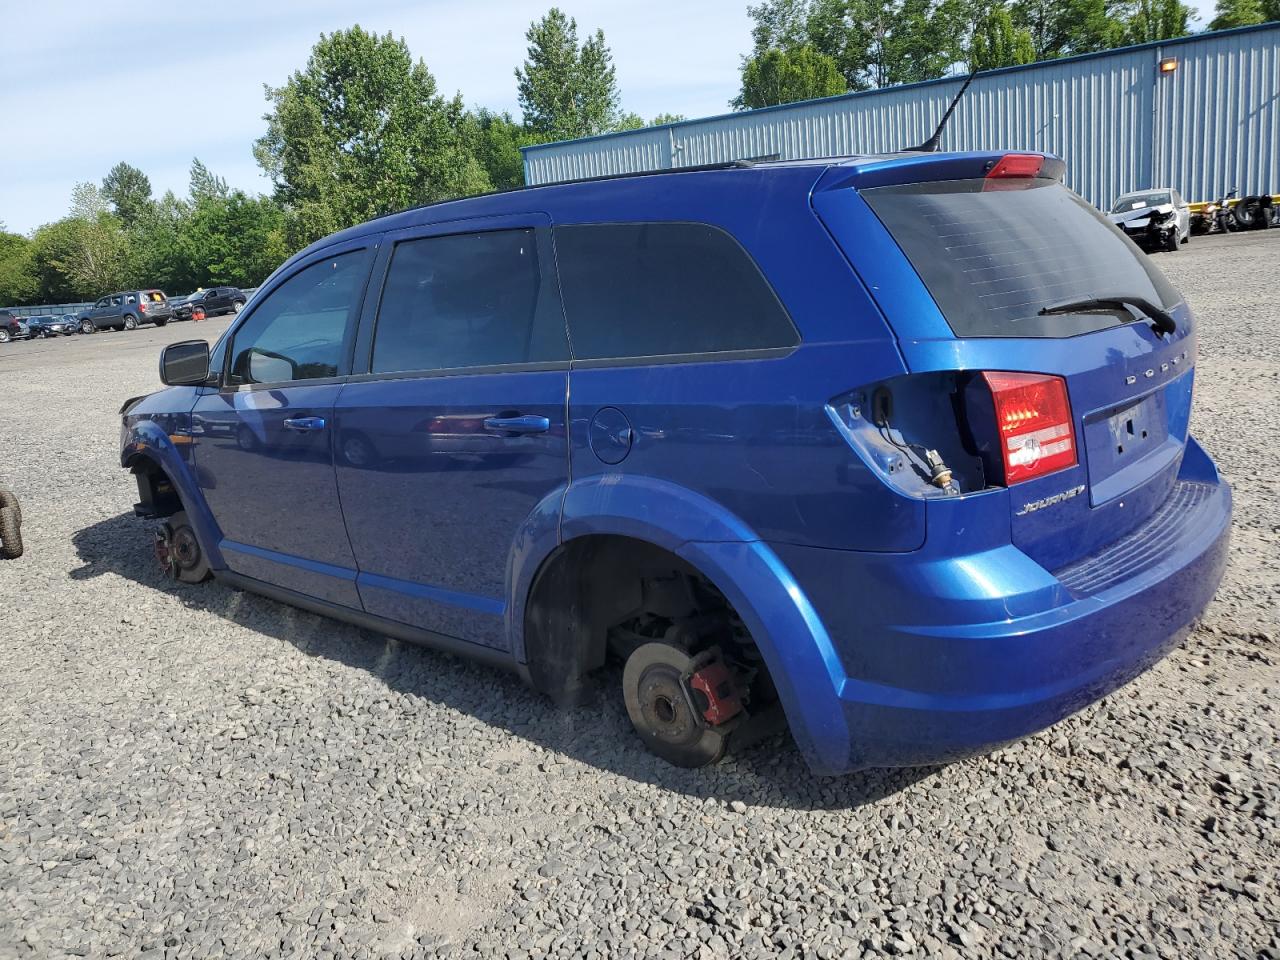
x=1153 y=219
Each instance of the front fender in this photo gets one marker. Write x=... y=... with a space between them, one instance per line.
x=800 y=656
x=146 y=438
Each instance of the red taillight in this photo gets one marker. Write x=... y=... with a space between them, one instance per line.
x=1017 y=165
x=142 y=307
x=1014 y=171
x=1033 y=419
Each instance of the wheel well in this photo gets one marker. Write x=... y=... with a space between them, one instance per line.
x=157 y=496
x=599 y=595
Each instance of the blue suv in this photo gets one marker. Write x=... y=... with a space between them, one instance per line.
x=891 y=449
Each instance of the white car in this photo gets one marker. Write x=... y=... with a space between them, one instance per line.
x=1158 y=218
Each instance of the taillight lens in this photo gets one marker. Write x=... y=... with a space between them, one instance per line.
x=1014 y=171
x=142 y=308
x=1033 y=420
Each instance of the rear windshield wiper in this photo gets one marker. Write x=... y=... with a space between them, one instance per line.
x=1161 y=319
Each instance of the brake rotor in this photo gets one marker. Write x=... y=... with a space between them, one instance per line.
x=662 y=710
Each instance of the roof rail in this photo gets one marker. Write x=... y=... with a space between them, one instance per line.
x=699 y=168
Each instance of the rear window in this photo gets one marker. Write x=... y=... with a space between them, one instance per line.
x=992 y=259
x=634 y=290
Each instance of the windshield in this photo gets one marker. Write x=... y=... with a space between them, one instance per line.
x=1137 y=201
x=992 y=259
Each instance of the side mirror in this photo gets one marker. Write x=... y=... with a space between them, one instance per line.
x=185 y=364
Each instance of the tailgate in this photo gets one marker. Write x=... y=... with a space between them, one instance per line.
x=965 y=266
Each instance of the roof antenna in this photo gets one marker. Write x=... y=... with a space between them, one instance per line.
x=931 y=145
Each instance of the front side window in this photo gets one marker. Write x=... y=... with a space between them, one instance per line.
x=467 y=300
x=297 y=332
x=634 y=290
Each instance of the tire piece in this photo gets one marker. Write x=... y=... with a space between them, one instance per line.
x=4 y=336
x=86 y=326
x=129 y=324
x=653 y=690
x=10 y=526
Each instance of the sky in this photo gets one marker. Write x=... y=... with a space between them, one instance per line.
x=88 y=83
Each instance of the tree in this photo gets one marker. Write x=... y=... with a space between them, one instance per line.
x=128 y=191
x=18 y=280
x=1149 y=20
x=786 y=75
x=495 y=139
x=204 y=183
x=874 y=44
x=566 y=91
x=997 y=42
x=1060 y=28
x=360 y=132
x=1270 y=10
x=664 y=118
x=1237 y=13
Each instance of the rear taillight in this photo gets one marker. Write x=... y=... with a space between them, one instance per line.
x=1014 y=171
x=142 y=308
x=1033 y=422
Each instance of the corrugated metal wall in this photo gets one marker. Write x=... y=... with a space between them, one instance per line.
x=1210 y=125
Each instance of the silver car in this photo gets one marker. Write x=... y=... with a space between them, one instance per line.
x=1154 y=219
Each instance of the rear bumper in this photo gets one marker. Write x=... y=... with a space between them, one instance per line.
x=935 y=673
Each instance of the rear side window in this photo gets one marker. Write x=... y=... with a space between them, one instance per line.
x=664 y=289
x=467 y=300
x=992 y=259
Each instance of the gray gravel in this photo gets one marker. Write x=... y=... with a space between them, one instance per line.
x=193 y=772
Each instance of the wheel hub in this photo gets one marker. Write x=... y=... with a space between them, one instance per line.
x=658 y=684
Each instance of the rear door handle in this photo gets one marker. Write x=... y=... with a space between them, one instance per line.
x=305 y=424
x=525 y=424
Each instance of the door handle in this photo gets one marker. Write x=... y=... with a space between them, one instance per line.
x=305 y=424
x=525 y=424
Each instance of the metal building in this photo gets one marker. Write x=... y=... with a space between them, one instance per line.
x=1201 y=114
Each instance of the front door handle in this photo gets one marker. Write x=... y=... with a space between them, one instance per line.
x=525 y=424
x=305 y=424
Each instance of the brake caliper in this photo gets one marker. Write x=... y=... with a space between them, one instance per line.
x=164 y=552
x=715 y=693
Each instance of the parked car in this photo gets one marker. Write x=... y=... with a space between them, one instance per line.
x=919 y=485
x=1154 y=219
x=12 y=328
x=214 y=301
x=72 y=321
x=126 y=310
x=46 y=326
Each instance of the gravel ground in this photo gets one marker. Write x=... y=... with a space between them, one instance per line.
x=194 y=772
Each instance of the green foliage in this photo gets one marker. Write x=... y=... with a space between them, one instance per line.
x=779 y=76
x=361 y=131
x=494 y=139
x=18 y=280
x=204 y=183
x=1270 y=10
x=997 y=42
x=567 y=91
x=1060 y=28
x=128 y=190
x=873 y=44
x=664 y=118
x=1150 y=20
x=1239 y=13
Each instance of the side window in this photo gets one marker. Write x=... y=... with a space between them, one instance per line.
x=467 y=300
x=298 y=331
x=663 y=289
x=117 y=301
